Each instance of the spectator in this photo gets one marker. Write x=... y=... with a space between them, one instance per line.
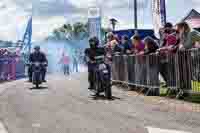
x=170 y=43
x=150 y=46
x=111 y=43
x=168 y=29
x=126 y=44
x=138 y=46
x=65 y=61
x=75 y=63
x=119 y=46
x=140 y=61
x=151 y=69
x=187 y=37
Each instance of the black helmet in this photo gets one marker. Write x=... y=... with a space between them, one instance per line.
x=37 y=48
x=94 y=42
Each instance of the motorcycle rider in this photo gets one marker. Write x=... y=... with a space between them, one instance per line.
x=37 y=56
x=90 y=53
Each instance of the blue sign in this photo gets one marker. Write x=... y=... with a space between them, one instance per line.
x=94 y=22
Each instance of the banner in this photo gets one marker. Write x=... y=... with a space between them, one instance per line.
x=94 y=22
x=159 y=15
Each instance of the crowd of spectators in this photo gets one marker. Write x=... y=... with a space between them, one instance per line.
x=9 y=59
x=8 y=53
x=173 y=39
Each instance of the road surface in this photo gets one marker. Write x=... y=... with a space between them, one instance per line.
x=65 y=106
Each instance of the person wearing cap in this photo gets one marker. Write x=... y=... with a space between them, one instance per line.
x=37 y=56
x=166 y=30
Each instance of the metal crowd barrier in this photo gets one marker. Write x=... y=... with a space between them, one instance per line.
x=11 y=68
x=180 y=71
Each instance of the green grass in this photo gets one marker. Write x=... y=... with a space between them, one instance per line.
x=196 y=86
x=194 y=98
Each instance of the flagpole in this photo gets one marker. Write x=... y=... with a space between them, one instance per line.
x=135 y=17
x=135 y=14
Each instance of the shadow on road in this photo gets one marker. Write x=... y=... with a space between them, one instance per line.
x=102 y=97
x=40 y=88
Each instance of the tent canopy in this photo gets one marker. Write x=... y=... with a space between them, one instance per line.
x=130 y=32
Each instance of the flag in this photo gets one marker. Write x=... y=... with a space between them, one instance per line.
x=28 y=35
x=94 y=22
x=159 y=15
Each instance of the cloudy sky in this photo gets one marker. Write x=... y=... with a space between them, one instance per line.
x=49 y=14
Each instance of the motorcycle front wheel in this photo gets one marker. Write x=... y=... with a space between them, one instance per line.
x=108 y=90
x=37 y=86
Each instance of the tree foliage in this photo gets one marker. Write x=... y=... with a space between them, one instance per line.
x=76 y=31
x=67 y=31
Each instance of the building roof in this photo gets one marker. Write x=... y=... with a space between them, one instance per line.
x=191 y=15
x=193 y=19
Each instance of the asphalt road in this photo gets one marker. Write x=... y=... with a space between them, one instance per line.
x=64 y=105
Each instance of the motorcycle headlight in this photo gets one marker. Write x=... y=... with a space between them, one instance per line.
x=105 y=71
x=102 y=66
x=37 y=64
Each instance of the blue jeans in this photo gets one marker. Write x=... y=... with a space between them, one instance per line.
x=66 y=69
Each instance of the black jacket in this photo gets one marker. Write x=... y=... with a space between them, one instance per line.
x=37 y=57
x=151 y=48
x=91 y=53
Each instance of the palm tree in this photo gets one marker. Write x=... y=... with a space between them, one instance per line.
x=113 y=22
x=79 y=29
x=68 y=30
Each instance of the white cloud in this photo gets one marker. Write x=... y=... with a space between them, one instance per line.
x=42 y=28
x=49 y=14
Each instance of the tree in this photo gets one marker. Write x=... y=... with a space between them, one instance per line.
x=56 y=34
x=68 y=31
x=68 y=27
x=113 y=22
x=79 y=30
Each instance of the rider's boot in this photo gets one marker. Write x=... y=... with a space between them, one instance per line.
x=91 y=86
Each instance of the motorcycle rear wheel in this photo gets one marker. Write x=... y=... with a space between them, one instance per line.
x=108 y=91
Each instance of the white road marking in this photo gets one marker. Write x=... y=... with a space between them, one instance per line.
x=2 y=128
x=158 y=130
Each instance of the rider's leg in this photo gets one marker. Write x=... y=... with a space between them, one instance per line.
x=44 y=74
x=91 y=77
x=30 y=73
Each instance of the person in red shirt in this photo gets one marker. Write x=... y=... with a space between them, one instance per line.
x=138 y=46
x=65 y=61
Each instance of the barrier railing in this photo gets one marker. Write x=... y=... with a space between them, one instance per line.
x=180 y=71
x=11 y=68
